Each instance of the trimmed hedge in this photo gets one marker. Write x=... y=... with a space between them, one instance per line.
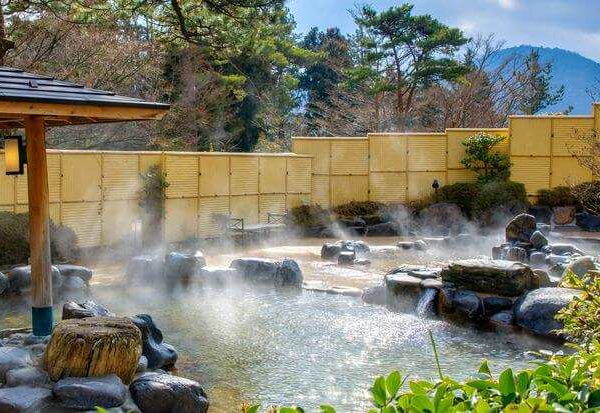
x=557 y=197
x=14 y=240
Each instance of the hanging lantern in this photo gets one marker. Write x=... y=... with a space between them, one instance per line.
x=15 y=156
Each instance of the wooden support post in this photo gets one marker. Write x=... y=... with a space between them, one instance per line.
x=39 y=226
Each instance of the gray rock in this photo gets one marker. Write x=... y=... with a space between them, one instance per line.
x=489 y=276
x=543 y=279
x=364 y=262
x=538 y=240
x=26 y=376
x=424 y=273
x=288 y=274
x=374 y=295
x=537 y=259
x=563 y=215
x=421 y=245
x=502 y=319
x=553 y=259
x=581 y=266
x=217 y=276
x=346 y=257
x=158 y=353
x=384 y=229
x=358 y=247
x=498 y=252
x=536 y=310
x=12 y=358
x=330 y=251
x=494 y=304
x=565 y=249
x=587 y=221
x=84 y=310
x=400 y=283
x=144 y=268
x=74 y=284
x=69 y=270
x=89 y=392
x=520 y=228
x=183 y=265
x=24 y=399
x=431 y=283
x=3 y=283
x=517 y=254
x=142 y=365
x=19 y=278
x=160 y=393
x=258 y=270
x=465 y=304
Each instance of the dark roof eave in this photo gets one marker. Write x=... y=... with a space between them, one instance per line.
x=90 y=102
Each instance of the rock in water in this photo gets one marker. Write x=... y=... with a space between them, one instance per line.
x=144 y=267
x=520 y=228
x=330 y=251
x=490 y=276
x=12 y=358
x=95 y=346
x=346 y=258
x=536 y=310
x=288 y=274
x=163 y=393
x=563 y=215
x=87 y=393
x=160 y=355
x=538 y=240
x=24 y=399
x=26 y=376
x=19 y=278
x=88 y=309
x=68 y=270
x=183 y=266
x=580 y=266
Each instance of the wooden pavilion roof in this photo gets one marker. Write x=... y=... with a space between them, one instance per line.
x=66 y=103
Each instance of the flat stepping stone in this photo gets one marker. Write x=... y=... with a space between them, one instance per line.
x=84 y=393
x=12 y=358
x=26 y=376
x=24 y=399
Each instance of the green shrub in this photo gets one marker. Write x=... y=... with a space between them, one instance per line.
x=14 y=240
x=557 y=197
x=481 y=158
x=588 y=195
x=358 y=208
x=151 y=201
x=307 y=216
x=464 y=194
x=500 y=194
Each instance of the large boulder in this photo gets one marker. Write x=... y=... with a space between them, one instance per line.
x=536 y=310
x=144 y=267
x=587 y=221
x=563 y=215
x=538 y=240
x=182 y=266
x=24 y=399
x=346 y=257
x=19 y=278
x=160 y=355
x=94 y=346
x=12 y=358
x=87 y=393
x=87 y=309
x=330 y=250
x=459 y=303
x=217 y=276
x=489 y=276
x=443 y=214
x=69 y=270
x=580 y=266
x=163 y=393
x=265 y=271
x=520 y=228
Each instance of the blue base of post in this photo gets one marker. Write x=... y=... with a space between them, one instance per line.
x=42 y=320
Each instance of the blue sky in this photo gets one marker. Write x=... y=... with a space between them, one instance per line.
x=568 y=24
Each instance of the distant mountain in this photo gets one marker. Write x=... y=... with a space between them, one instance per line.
x=575 y=72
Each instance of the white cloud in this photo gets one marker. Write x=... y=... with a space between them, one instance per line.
x=508 y=4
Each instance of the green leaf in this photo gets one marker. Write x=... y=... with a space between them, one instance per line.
x=253 y=409
x=485 y=368
x=523 y=383
x=422 y=403
x=481 y=384
x=392 y=383
x=389 y=409
x=325 y=408
x=379 y=392
x=506 y=382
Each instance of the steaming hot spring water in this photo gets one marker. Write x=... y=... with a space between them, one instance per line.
x=302 y=347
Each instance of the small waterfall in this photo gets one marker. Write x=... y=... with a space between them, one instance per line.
x=426 y=302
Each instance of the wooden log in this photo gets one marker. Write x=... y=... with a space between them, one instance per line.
x=39 y=226
x=94 y=346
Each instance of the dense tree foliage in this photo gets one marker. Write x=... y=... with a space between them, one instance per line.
x=240 y=78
